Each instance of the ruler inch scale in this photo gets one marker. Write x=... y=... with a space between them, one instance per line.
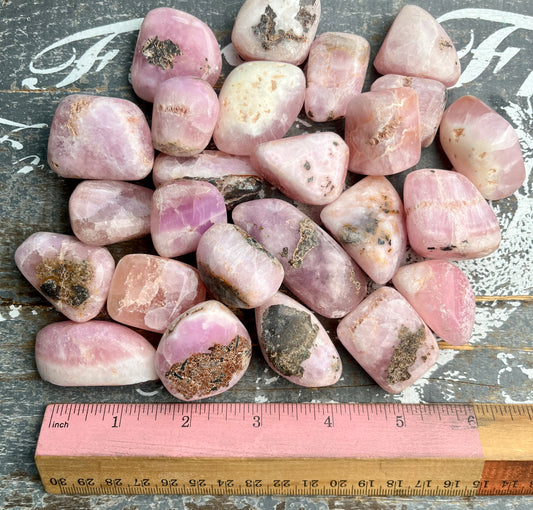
x=287 y=449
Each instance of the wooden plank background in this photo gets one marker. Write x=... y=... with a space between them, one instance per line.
x=54 y=48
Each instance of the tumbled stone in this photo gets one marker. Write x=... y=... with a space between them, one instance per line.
x=236 y=269
x=173 y=43
x=96 y=137
x=204 y=352
x=308 y=168
x=181 y=212
x=279 y=30
x=335 y=72
x=94 y=353
x=482 y=145
x=317 y=270
x=417 y=45
x=382 y=130
x=149 y=292
x=389 y=340
x=441 y=294
x=368 y=220
x=295 y=344
x=259 y=101
x=431 y=101
x=107 y=212
x=184 y=115
x=73 y=276
x=446 y=216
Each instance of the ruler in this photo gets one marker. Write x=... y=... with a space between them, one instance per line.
x=287 y=449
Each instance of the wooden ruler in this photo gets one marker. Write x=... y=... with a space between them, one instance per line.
x=314 y=449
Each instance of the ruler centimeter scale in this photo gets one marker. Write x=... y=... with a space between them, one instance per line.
x=287 y=449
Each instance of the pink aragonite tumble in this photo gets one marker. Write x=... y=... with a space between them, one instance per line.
x=389 y=340
x=204 y=352
x=382 y=130
x=369 y=221
x=73 y=276
x=431 y=101
x=446 y=216
x=149 y=292
x=308 y=168
x=441 y=294
x=173 y=43
x=259 y=102
x=417 y=45
x=94 y=353
x=107 y=212
x=96 y=137
x=336 y=71
x=482 y=145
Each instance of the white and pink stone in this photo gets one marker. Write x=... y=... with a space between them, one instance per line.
x=295 y=344
x=382 y=130
x=389 y=340
x=482 y=145
x=278 y=30
x=94 y=353
x=447 y=217
x=441 y=294
x=149 y=292
x=417 y=45
x=185 y=112
x=335 y=73
x=181 y=212
x=74 y=277
x=96 y=137
x=204 y=352
x=317 y=270
x=107 y=212
x=431 y=101
x=368 y=220
x=308 y=168
x=259 y=101
x=173 y=43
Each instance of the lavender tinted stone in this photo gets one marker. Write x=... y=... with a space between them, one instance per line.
x=73 y=276
x=389 y=340
x=317 y=270
x=107 y=212
x=96 y=137
x=181 y=212
x=173 y=43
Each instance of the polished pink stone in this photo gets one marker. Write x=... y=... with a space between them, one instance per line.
x=107 y=212
x=184 y=115
x=173 y=43
x=204 y=352
x=279 y=30
x=94 y=353
x=446 y=216
x=295 y=344
x=431 y=101
x=259 y=102
x=96 y=137
x=417 y=45
x=181 y=212
x=317 y=270
x=382 y=130
x=482 y=145
x=335 y=72
x=149 y=292
x=369 y=221
x=441 y=294
x=73 y=276
x=308 y=168
x=389 y=340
